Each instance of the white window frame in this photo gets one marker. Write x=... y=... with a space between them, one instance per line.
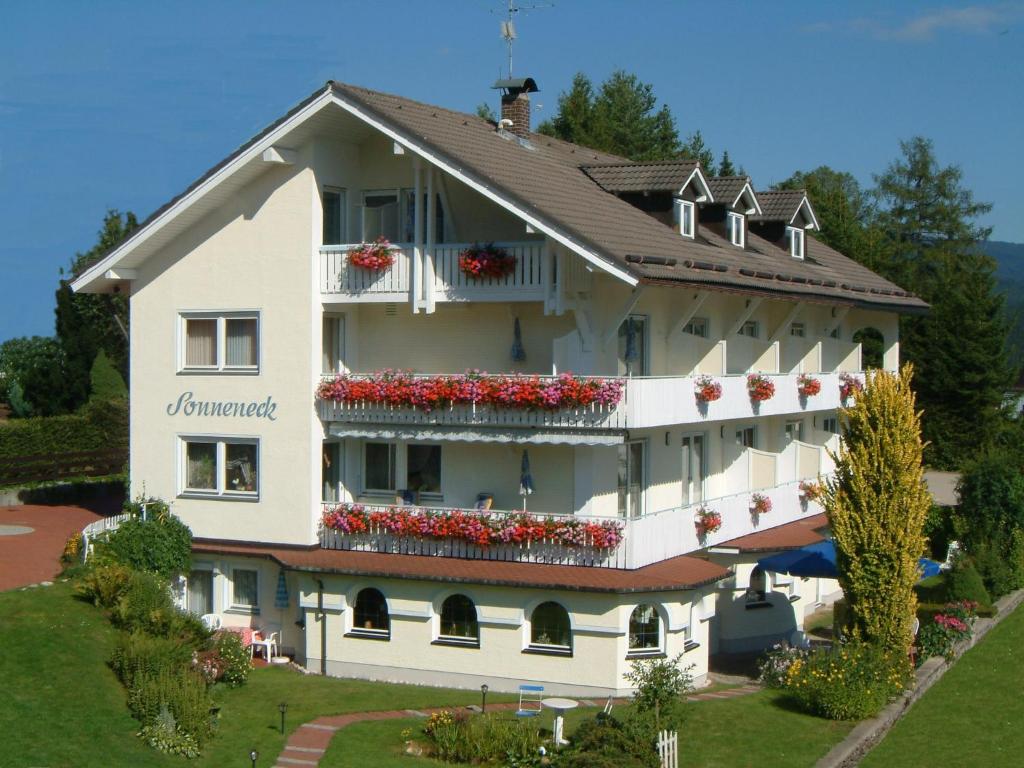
x=734 y=226
x=552 y=649
x=342 y=193
x=339 y=489
x=829 y=421
x=644 y=479
x=641 y=653
x=204 y=568
x=683 y=207
x=688 y=494
x=645 y=336
x=236 y=607
x=221 y=316
x=753 y=325
x=220 y=467
x=698 y=323
x=797 y=425
x=339 y=321
x=743 y=428
x=797 y=242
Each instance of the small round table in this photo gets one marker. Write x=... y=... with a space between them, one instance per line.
x=560 y=706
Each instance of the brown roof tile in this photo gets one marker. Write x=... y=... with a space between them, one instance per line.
x=793 y=535
x=666 y=176
x=779 y=204
x=677 y=573
x=725 y=189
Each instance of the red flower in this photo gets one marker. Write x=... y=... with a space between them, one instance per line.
x=807 y=385
x=760 y=387
x=480 y=261
x=375 y=256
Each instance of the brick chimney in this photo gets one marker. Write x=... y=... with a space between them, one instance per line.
x=515 y=104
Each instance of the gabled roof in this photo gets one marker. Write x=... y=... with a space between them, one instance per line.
x=670 y=176
x=784 y=205
x=728 y=190
x=539 y=179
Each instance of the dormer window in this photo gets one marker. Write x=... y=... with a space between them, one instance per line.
x=687 y=217
x=795 y=235
x=734 y=226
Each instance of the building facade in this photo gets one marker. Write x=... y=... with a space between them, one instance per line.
x=451 y=402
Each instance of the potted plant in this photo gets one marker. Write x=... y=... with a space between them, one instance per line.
x=487 y=260
x=807 y=385
x=706 y=389
x=810 y=490
x=707 y=521
x=849 y=386
x=376 y=256
x=760 y=504
x=760 y=387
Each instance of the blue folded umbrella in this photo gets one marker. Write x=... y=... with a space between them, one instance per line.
x=819 y=560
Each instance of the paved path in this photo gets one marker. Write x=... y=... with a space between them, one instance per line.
x=308 y=743
x=29 y=558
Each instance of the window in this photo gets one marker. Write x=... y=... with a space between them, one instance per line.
x=214 y=343
x=751 y=329
x=379 y=467
x=797 y=329
x=458 y=621
x=423 y=468
x=335 y=205
x=734 y=226
x=746 y=436
x=830 y=424
x=697 y=327
x=693 y=468
x=644 y=631
x=331 y=471
x=370 y=616
x=410 y=218
x=686 y=216
x=631 y=478
x=392 y=214
x=333 y=344
x=795 y=235
x=199 y=598
x=794 y=430
x=220 y=466
x=549 y=628
x=758 y=586
x=245 y=590
x=633 y=346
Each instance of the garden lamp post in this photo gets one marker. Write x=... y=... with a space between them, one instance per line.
x=254 y=756
x=483 y=698
x=282 y=708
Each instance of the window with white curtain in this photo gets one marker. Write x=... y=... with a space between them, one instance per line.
x=219 y=466
x=220 y=342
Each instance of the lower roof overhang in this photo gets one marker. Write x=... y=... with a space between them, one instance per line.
x=794 y=535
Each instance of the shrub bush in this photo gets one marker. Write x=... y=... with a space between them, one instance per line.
x=182 y=693
x=608 y=743
x=661 y=685
x=847 y=682
x=488 y=738
x=165 y=736
x=774 y=666
x=92 y=429
x=104 y=584
x=964 y=583
x=945 y=629
x=160 y=544
x=138 y=654
x=145 y=604
x=235 y=660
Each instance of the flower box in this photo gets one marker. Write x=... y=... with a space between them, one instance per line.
x=760 y=504
x=706 y=389
x=375 y=257
x=807 y=385
x=706 y=521
x=483 y=261
x=849 y=386
x=810 y=490
x=760 y=387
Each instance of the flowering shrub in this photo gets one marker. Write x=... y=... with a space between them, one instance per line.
x=847 y=682
x=760 y=387
x=807 y=385
x=234 y=658
x=474 y=527
x=707 y=389
x=773 y=667
x=488 y=739
x=486 y=261
x=707 y=521
x=945 y=630
x=810 y=490
x=401 y=388
x=760 y=504
x=375 y=256
x=849 y=386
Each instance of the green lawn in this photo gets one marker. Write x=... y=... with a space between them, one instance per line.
x=973 y=714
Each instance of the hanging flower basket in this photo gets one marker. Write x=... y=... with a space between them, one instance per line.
x=376 y=256
x=482 y=261
x=807 y=385
x=849 y=386
x=707 y=521
x=760 y=387
x=706 y=389
x=810 y=490
x=760 y=504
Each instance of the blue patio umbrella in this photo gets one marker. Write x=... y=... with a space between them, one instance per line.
x=525 y=479
x=518 y=352
x=281 y=595
x=819 y=560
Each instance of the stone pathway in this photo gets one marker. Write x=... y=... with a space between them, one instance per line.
x=33 y=555
x=308 y=743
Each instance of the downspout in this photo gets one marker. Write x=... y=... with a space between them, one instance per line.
x=323 y=626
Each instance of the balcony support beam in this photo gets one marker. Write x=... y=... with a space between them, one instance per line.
x=794 y=313
x=547 y=277
x=836 y=321
x=751 y=308
x=688 y=313
x=620 y=317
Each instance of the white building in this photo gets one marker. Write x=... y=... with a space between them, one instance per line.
x=638 y=277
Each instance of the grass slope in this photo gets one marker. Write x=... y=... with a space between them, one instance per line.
x=972 y=715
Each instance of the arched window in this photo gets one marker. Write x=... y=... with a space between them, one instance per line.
x=371 y=613
x=458 y=620
x=644 y=630
x=549 y=627
x=758 y=585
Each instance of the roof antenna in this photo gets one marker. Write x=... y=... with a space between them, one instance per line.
x=508 y=29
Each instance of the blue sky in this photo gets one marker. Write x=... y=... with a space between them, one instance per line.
x=121 y=105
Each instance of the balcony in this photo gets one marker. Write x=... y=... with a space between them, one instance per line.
x=440 y=278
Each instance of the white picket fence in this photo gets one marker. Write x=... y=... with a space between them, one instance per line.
x=668 y=748
x=97 y=527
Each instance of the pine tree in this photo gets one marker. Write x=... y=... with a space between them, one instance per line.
x=876 y=505
x=696 y=149
x=725 y=166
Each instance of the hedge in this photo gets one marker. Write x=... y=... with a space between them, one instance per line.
x=98 y=425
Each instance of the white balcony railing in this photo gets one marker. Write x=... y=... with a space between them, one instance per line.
x=525 y=282
x=337 y=276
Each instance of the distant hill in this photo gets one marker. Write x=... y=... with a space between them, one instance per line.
x=1010 y=272
x=1010 y=258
